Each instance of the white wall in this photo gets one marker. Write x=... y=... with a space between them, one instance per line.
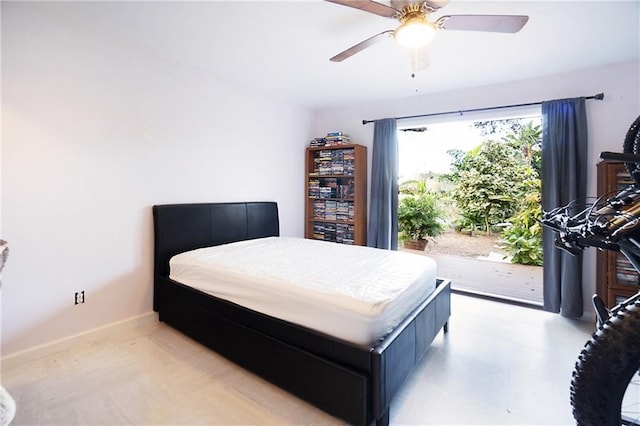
x=608 y=120
x=94 y=133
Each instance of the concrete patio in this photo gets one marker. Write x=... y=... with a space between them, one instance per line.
x=517 y=283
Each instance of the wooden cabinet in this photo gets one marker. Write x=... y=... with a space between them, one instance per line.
x=616 y=279
x=336 y=194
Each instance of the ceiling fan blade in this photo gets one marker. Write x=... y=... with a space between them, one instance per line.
x=368 y=6
x=437 y=4
x=492 y=23
x=360 y=46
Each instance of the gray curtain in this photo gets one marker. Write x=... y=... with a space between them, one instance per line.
x=383 y=208
x=564 y=179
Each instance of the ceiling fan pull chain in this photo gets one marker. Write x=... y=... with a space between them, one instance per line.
x=414 y=63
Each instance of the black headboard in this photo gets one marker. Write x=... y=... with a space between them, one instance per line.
x=182 y=227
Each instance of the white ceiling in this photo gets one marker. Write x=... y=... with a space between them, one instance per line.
x=283 y=48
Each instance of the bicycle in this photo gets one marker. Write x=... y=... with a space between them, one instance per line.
x=605 y=385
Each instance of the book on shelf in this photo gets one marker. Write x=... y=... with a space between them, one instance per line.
x=318 y=209
x=314 y=188
x=627 y=279
x=334 y=232
x=337 y=138
x=348 y=160
x=331 y=139
x=333 y=209
x=334 y=162
x=316 y=142
x=329 y=232
x=337 y=163
x=337 y=142
x=344 y=233
x=331 y=187
x=625 y=272
x=325 y=192
x=318 y=230
x=330 y=210
x=620 y=299
x=342 y=210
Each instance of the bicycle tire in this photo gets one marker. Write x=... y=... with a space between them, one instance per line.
x=632 y=146
x=605 y=368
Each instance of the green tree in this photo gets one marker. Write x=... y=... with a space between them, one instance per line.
x=529 y=141
x=487 y=184
x=522 y=238
x=498 y=128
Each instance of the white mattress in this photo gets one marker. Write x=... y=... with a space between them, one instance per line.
x=354 y=293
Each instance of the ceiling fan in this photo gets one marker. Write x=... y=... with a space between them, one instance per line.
x=416 y=30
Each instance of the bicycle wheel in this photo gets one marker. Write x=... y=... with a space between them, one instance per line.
x=632 y=146
x=630 y=409
x=606 y=373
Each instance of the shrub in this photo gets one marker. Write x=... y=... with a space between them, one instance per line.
x=523 y=237
x=419 y=216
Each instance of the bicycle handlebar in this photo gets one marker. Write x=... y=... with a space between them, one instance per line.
x=617 y=156
x=604 y=225
x=573 y=232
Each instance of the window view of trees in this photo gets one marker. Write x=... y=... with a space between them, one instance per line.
x=492 y=188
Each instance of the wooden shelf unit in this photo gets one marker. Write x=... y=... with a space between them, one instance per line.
x=336 y=194
x=616 y=279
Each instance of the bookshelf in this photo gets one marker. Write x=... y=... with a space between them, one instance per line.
x=336 y=194
x=616 y=279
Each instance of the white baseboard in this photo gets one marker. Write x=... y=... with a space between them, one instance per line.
x=19 y=358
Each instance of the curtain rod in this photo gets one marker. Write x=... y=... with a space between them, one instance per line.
x=599 y=96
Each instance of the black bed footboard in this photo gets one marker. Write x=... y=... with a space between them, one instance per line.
x=354 y=383
x=340 y=390
x=396 y=357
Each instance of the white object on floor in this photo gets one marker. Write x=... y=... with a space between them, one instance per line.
x=495 y=257
x=7 y=407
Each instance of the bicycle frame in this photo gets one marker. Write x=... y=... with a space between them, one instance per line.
x=608 y=224
x=605 y=380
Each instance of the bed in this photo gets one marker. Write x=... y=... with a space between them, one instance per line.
x=352 y=381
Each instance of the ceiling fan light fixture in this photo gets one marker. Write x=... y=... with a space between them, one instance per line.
x=414 y=32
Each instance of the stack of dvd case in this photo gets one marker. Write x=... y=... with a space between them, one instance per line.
x=336 y=138
x=331 y=188
x=322 y=163
x=344 y=233
x=314 y=188
x=316 y=142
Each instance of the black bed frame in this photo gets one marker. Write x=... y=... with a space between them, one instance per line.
x=352 y=382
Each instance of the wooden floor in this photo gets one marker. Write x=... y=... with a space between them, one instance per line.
x=499 y=364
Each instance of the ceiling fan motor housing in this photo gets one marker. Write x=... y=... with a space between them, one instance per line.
x=415 y=30
x=413 y=10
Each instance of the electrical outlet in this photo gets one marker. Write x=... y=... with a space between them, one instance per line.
x=79 y=297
